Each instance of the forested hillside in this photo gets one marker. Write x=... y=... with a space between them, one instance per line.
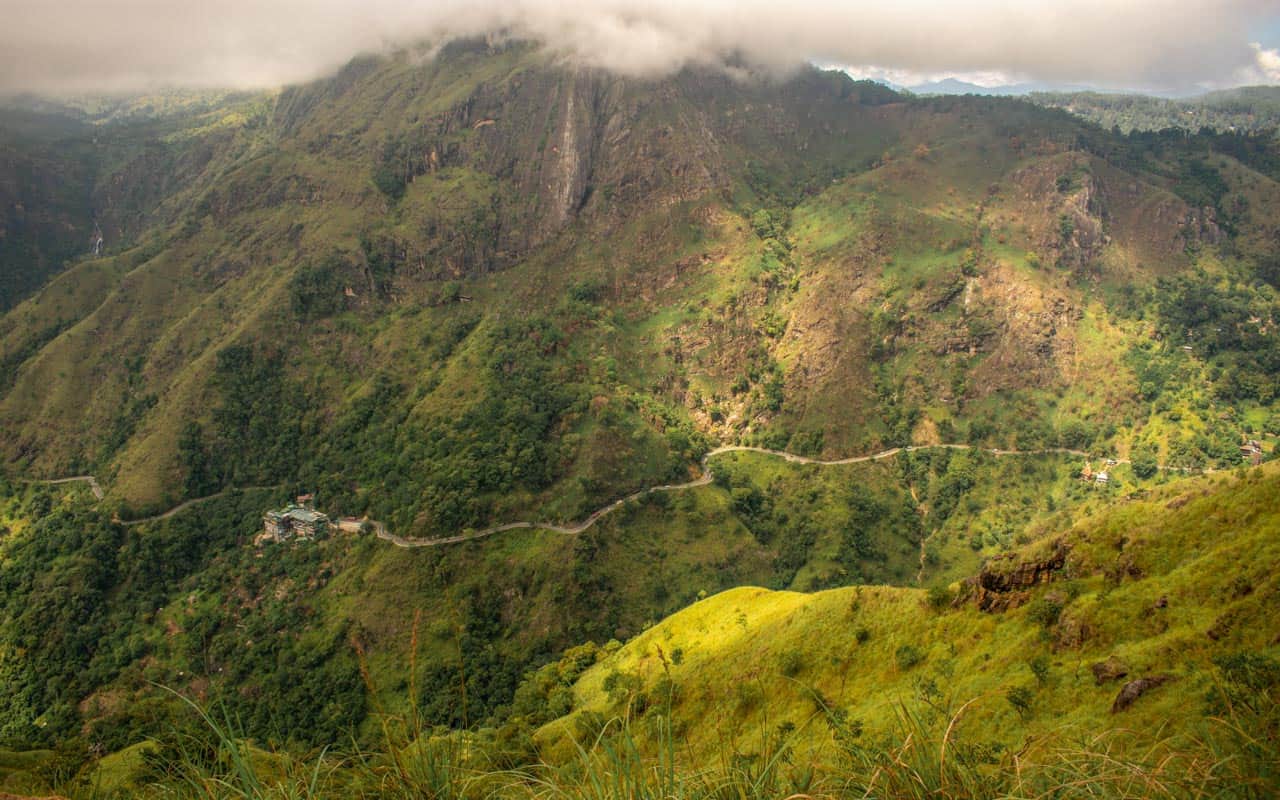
x=491 y=287
x=507 y=287
x=1248 y=109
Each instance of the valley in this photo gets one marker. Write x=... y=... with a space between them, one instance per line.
x=717 y=435
x=576 y=528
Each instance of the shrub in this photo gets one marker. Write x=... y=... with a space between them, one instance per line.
x=1066 y=226
x=316 y=290
x=748 y=697
x=1020 y=698
x=1039 y=666
x=1044 y=611
x=908 y=656
x=792 y=663
x=938 y=597
x=620 y=686
x=1144 y=461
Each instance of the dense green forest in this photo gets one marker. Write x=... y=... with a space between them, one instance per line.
x=1250 y=109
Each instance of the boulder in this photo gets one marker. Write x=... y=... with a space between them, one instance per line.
x=1113 y=669
x=1070 y=633
x=1135 y=689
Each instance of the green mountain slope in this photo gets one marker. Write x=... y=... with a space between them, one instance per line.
x=95 y=614
x=490 y=288
x=1019 y=670
x=44 y=202
x=1176 y=584
x=391 y=261
x=74 y=184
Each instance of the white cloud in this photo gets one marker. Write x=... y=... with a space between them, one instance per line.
x=78 y=44
x=1263 y=68
x=1267 y=63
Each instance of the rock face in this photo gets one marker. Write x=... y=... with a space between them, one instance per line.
x=1070 y=633
x=1200 y=226
x=1113 y=669
x=1135 y=689
x=526 y=154
x=1080 y=236
x=998 y=587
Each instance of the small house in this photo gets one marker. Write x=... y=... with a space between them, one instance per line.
x=296 y=521
x=1102 y=478
x=1251 y=451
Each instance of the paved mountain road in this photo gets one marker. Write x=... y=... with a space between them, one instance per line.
x=89 y=479
x=183 y=506
x=573 y=529
x=707 y=475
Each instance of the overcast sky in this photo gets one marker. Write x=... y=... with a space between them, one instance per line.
x=1186 y=45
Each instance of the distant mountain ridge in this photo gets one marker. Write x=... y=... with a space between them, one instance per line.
x=1245 y=109
x=957 y=86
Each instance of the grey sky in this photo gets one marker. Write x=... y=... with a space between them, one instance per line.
x=78 y=45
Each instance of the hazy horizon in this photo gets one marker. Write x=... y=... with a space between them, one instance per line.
x=81 y=46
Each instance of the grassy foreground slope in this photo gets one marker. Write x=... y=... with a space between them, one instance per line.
x=1008 y=687
x=1177 y=585
x=94 y=616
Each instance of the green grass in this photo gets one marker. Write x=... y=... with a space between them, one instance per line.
x=833 y=693
x=1179 y=543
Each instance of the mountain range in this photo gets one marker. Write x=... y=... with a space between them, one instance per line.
x=484 y=299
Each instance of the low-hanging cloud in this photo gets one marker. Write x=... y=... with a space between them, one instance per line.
x=85 y=45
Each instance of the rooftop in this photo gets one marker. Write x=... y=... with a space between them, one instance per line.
x=303 y=514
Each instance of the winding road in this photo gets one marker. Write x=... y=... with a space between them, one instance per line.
x=89 y=479
x=183 y=506
x=707 y=476
x=572 y=529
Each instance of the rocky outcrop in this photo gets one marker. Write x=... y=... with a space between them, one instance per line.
x=1002 y=585
x=1079 y=236
x=1200 y=226
x=1070 y=633
x=1113 y=669
x=1135 y=689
